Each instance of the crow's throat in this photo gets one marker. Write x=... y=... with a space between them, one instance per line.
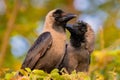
x=77 y=40
x=59 y=27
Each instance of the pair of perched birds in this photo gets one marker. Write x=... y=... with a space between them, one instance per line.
x=51 y=51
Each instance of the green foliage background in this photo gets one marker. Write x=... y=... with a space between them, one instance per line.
x=22 y=17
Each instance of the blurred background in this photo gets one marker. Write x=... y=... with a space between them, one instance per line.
x=21 y=22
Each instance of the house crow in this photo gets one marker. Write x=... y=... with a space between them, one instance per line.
x=48 y=50
x=81 y=45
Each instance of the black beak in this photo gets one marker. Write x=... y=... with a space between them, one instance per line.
x=67 y=17
x=69 y=27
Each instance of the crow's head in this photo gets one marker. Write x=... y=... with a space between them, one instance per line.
x=77 y=32
x=78 y=29
x=59 y=17
x=62 y=17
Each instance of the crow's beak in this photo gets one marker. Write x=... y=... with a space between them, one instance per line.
x=69 y=27
x=67 y=17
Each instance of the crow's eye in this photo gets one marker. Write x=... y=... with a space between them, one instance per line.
x=56 y=15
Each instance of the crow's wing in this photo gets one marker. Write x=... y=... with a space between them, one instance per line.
x=38 y=50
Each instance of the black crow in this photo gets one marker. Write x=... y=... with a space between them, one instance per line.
x=81 y=45
x=48 y=50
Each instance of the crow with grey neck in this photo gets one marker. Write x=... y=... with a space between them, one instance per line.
x=47 y=51
x=81 y=45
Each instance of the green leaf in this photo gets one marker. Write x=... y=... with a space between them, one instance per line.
x=55 y=71
x=28 y=70
x=39 y=72
x=8 y=76
x=23 y=72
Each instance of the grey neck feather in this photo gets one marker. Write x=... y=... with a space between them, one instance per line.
x=59 y=27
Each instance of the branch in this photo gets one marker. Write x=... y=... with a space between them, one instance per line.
x=6 y=37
